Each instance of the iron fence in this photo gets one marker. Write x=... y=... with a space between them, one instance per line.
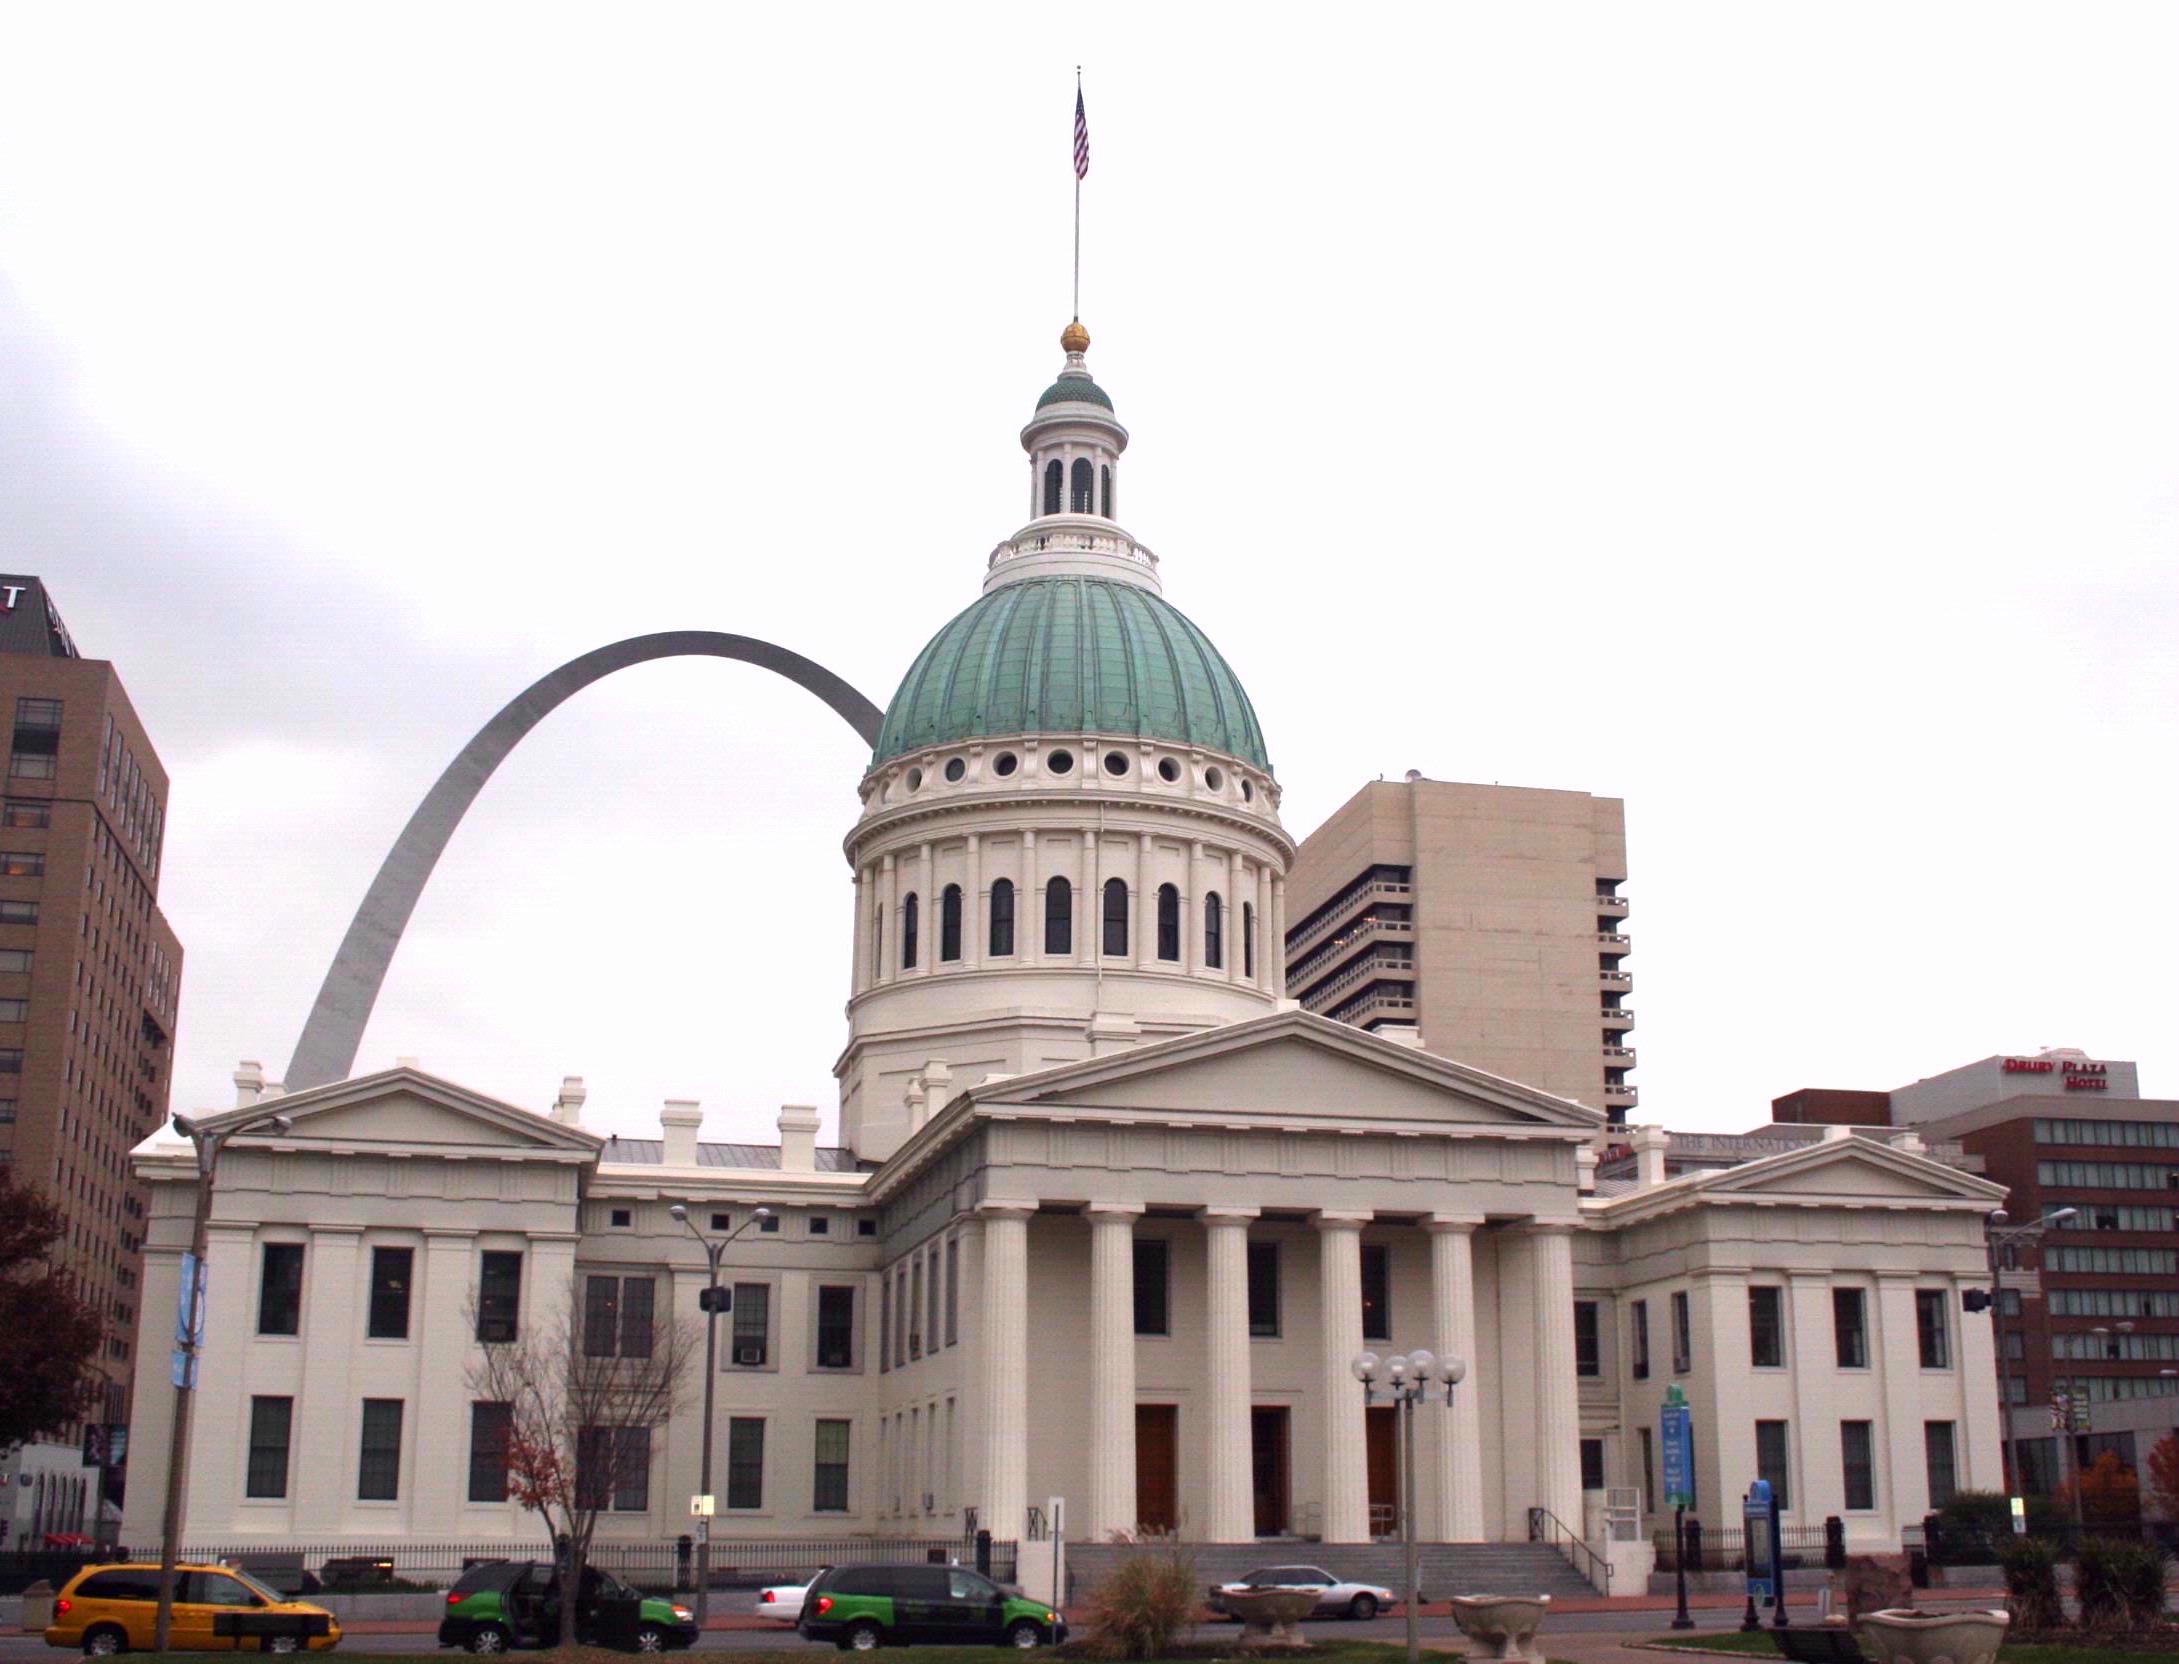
x=1725 y=1549
x=655 y=1566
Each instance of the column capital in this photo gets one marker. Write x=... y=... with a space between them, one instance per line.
x=1116 y=1213
x=1231 y=1216
x=1341 y=1219
x=1445 y=1224
x=998 y=1209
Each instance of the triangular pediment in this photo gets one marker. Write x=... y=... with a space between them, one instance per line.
x=1291 y=1066
x=1849 y=1170
x=405 y=1109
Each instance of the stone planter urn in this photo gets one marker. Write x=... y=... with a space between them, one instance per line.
x=1268 y=1616
x=1506 y=1624
x=1902 y=1637
x=37 y=1607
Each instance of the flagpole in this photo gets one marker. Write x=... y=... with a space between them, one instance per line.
x=1078 y=209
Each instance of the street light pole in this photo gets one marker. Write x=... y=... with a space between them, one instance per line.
x=189 y=1346
x=2003 y=1243
x=713 y=1247
x=1406 y=1379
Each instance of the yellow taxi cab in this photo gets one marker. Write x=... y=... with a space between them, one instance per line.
x=108 y=1609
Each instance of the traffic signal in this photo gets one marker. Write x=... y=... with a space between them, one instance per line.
x=714 y=1299
x=1975 y=1299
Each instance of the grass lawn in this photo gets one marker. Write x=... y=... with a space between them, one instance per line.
x=1342 y=1652
x=1759 y=1646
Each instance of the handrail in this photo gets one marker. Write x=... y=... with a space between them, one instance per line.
x=1546 y=1527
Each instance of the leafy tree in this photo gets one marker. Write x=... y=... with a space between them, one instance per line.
x=586 y=1386
x=2163 y=1466
x=2110 y=1495
x=51 y=1377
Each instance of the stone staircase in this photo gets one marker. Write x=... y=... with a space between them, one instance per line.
x=1447 y=1568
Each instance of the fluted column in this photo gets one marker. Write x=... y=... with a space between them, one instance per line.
x=1278 y=935
x=861 y=957
x=1005 y=1322
x=1346 y=1442
x=1143 y=916
x=1191 y=912
x=1029 y=904
x=1112 y=1369
x=1458 y=1467
x=1558 y=1408
x=1089 y=902
x=927 y=910
x=887 y=947
x=975 y=906
x=1231 y=1515
x=1235 y=877
x=1263 y=979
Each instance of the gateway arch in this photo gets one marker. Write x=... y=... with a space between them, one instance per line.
x=327 y=1049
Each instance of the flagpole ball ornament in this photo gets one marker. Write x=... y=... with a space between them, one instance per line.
x=1074 y=338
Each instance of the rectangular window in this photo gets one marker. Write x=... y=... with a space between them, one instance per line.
x=1263 y=1289
x=1649 y=1468
x=1929 y=1328
x=31 y=765
x=391 y=1269
x=820 y=1225
x=953 y=1289
x=1641 y=1342
x=280 y=1289
x=617 y=1316
x=1683 y=1335
x=752 y=1325
x=499 y=1298
x=1850 y=1327
x=270 y=1422
x=18 y=912
x=931 y=1317
x=489 y=1425
x=1767 y=1328
x=1592 y=1464
x=378 y=1472
x=915 y=1307
x=836 y=1327
x=828 y=1483
x=631 y=1470
x=1772 y=1460
x=1376 y=1291
x=1588 y=1346
x=1152 y=1309
x=745 y=1462
x=27 y=817
x=15 y=959
x=14 y=1011
x=1943 y=1476
x=37 y=713
x=23 y=864
x=1857 y=1450
x=885 y=1323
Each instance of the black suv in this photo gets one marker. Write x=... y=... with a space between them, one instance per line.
x=862 y=1607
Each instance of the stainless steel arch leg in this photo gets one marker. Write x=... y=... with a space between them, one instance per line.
x=327 y=1049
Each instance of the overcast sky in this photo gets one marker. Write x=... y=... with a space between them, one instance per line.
x=1766 y=415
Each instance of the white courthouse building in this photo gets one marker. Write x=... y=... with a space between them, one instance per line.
x=1111 y=1216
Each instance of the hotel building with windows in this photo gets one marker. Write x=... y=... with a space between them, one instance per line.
x=1111 y=1215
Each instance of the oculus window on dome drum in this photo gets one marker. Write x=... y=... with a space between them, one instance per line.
x=1058 y=916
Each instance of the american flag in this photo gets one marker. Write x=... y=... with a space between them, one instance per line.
x=1081 y=137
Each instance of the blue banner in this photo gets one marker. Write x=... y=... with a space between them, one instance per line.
x=1677 y=1426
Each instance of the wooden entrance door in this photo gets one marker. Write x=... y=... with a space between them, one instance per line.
x=1384 y=1470
x=1157 y=1458
x=1267 y=1450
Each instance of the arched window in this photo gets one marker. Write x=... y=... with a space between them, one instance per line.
x=1002 y=918
x=1059 y=916
x=907 y=934
x=1055 y=481
x=1214 y=933
x=1082 y=499
x=1248 y=938
x=1116 y=918
x=949 y=922
x=1168 y=922
x=1107 y=483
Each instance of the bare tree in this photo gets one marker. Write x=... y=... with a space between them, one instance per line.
x=584 y=1389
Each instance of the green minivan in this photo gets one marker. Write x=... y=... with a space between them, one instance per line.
x=498 y=1605
x=862 y=1607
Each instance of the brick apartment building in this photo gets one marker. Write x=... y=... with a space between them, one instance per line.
x=89 y=974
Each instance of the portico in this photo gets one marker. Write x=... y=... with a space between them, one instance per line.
x=1159 y=1214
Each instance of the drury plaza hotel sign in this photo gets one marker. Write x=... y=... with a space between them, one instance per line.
x=2080 y=1075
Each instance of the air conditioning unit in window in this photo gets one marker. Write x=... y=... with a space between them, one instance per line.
x=749 y=1354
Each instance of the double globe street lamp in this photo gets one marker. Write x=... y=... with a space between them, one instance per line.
x=712 y=1300
x=1404 y=1380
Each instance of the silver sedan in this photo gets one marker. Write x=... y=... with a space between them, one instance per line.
x=1340 y=1599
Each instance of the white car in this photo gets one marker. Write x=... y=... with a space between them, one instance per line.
x=780 y=1602
x=1340 y=1599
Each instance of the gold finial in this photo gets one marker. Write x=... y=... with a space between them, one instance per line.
x=1074 y=338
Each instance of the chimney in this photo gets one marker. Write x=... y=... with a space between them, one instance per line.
x=249 y=1082
x=937 y=1086
x=1402 y=1034
x=912 y=1100
x=798 y=1138
x=1585 y=1170
x=1832 y=1134
x=1649 y=1156
x=1910 y=1144
x=680 y=1120
x=567 y=1108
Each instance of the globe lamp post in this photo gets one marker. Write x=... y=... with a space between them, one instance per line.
x=1404 y=1380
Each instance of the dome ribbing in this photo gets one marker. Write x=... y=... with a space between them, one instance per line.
x=1071 y=655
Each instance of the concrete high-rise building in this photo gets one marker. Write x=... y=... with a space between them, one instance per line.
x=89 y=971
x=1488 y=918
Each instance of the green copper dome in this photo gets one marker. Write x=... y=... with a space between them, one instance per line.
x=1071 y=655
x=1076 y=390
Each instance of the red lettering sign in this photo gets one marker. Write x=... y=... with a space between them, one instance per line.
x=2086 y=1083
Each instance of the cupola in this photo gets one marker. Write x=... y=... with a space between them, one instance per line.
x=1074 y=441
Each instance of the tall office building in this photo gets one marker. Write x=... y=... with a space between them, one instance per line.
x=89 y=970
x=1487 y=917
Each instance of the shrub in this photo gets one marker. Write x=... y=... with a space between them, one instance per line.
x=1984 y=1514
x=2031 y=1582
x=2120 y=1585
x=1147 y=1604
